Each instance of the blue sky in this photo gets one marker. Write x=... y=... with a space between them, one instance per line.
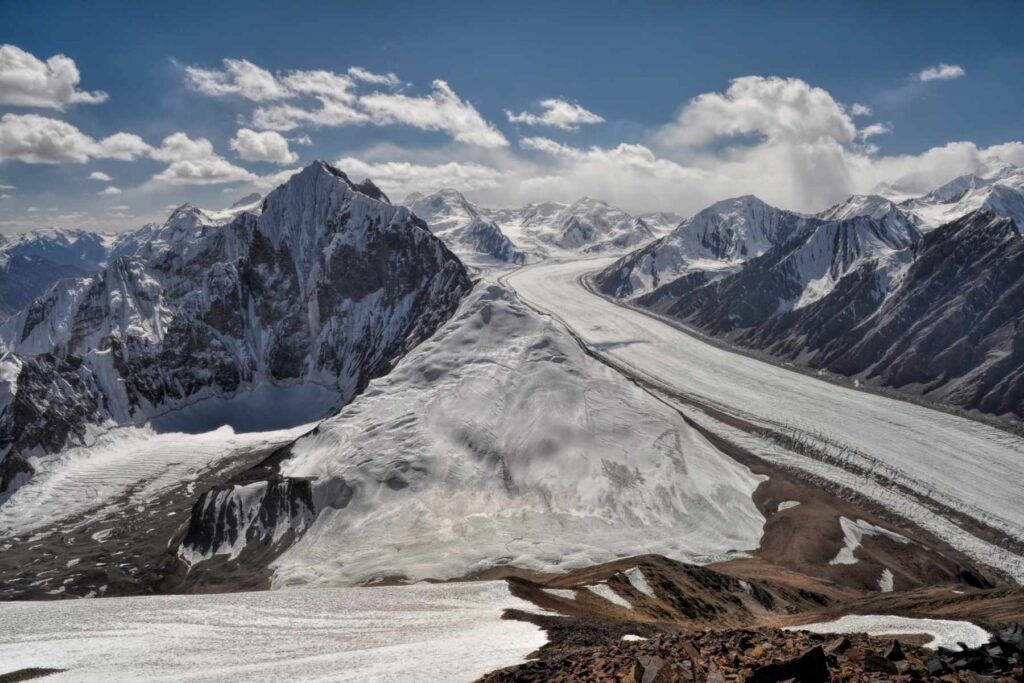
x=627 y=73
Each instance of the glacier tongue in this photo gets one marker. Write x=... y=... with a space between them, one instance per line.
x=499 y=441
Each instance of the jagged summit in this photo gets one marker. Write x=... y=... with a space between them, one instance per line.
x=325 y=285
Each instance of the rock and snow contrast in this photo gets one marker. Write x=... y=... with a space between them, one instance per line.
x=308 y=390
x=323 y=283
x=996 y=186
x=463 y=227
x=864 y=289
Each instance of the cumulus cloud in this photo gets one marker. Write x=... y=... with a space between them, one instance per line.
x=180 y=147
x=557 y=114
x=772 y=108
x=192 y=161
x=38 y=139
x=101 y=176
x=366 y=76
x=109 y=191
x=1010 y=152
x=401 y=177
x=858 y=109
x=26 y=81
x=940 y=72
x=267 y=146
x=338 y=102
x=212 y=171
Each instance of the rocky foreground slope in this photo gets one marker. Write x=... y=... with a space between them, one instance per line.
x=323 y=283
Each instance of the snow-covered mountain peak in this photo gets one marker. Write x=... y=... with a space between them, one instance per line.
x=463 y=226
x=871 y=205
x=996 y=186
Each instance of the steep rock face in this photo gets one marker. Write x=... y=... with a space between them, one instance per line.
x=250 y=518
x=328 y=283
x=462 y=226
x=954 y=328
x=716 y=240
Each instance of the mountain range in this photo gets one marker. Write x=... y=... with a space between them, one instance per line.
x=870 y=288
x=322 y=283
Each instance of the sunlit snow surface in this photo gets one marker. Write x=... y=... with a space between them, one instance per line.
x=500 y=441
x=944 y=633
x=964 y=464
x=424 y=632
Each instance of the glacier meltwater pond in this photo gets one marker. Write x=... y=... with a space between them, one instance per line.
x=265 y=408
x=422 y=632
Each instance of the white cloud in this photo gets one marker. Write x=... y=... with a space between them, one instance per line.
x=213 y=171
x=1010 y=152
x=101 y=176
x=771 y=108
x=303 y=140
x=6 y=187
x=320 y=84
x=402 y=178
x=38 y=139
x=26 y=81
x=339 y=103
x=194 y=162
x=873 y=130
x=180 y=147
x=266 y=146
x=238 y=77
x=940 y=72
x=441 y=110
x=109 y=191
x=366 y=76
x=858 y=109
x=558 y=114
x=285 y=117
x=272 y=180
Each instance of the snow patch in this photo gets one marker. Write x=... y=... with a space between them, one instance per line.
x=885 y=581
x=854 y=532
x=944 y=633
x=605 y=591
x=639 y=581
